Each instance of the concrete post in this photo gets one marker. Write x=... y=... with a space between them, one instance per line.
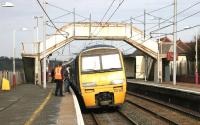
x=161 y=70
x=37 y=65
x=156 y=72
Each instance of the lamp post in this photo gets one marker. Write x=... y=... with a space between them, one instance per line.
x=36 y=27
x=158 y=60
x=7 y=4
x=174 y=41
x=14 y=53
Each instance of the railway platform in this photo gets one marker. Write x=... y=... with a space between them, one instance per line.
x=182 y=94
x=30 y=104
x=184 y=87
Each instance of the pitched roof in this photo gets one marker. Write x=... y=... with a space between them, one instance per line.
x=166 y=44
x=183 y=46
x=166 y=39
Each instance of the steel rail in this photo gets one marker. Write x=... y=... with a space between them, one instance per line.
x=175 y=108
x=153 y=113
x=95 y=119
x=126 y=117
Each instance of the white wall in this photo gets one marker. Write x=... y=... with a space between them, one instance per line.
x=140 y=67
x=181 y=66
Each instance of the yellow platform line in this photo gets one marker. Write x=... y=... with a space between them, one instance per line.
x=39 y=109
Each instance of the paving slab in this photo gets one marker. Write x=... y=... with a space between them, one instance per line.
x=16 y=106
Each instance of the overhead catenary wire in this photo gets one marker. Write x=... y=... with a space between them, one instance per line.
x=169 y=5
x=49 y=18
x=154 y=37
x=171 y=18
x=158 y=17
x=177 y=31
x=105 y=14
x=186 y=9
x=177 y=22
x=188 y=16
x=70 y=12
x=53 y=25
x=107 y=10
x=115 y=10
x=61 y=16
x=67 y=10
x=112 y=15
x=152 y=11
x=69 y=22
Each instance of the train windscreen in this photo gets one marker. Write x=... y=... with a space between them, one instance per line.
x=90 y=63
x=111 y=61
x=101 y=63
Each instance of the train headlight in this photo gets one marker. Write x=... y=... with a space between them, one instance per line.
x=117 y=81
x=118 y=89
x=88 y=84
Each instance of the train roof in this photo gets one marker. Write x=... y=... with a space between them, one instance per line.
x=98 y=46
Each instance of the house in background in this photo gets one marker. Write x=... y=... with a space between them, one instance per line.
x=136 y=69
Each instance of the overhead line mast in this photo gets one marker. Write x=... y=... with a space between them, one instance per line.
x=174 y=41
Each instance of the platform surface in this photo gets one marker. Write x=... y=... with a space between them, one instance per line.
x=185 y=87
x=32 y=105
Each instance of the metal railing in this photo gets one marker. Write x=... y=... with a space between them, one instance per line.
x=31 y=48
x=20 y=77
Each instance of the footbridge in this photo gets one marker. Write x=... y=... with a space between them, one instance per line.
x=90 y=31
x=95 y=31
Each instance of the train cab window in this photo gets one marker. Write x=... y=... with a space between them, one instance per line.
x=111 y=61
x=90 y=63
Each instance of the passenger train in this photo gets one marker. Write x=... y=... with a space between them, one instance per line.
x=98 y=76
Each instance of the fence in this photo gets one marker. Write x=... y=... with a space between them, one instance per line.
x=20 y=77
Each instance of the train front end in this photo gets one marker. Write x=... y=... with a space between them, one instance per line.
x=102 y=77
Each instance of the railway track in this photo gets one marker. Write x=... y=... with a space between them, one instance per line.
x=165 y=112
x=182 y=110
x=153 y=113
x=141 y=110
x=116 y=117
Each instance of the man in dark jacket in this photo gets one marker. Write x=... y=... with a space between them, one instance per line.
x=52 y=75
x=66 y=74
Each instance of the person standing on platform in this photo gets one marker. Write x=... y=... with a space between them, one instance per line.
x=52 y=75
x=67 y=78
x=58 y=79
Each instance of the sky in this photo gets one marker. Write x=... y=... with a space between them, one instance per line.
x=22 y=16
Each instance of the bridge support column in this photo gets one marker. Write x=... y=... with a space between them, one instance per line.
x=37 y=71
x=156 y=72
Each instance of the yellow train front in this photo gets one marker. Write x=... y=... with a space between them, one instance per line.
x=101 y=77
